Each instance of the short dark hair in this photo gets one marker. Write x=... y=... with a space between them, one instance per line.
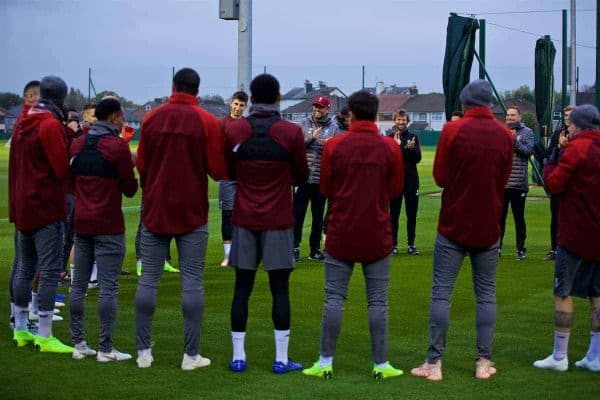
x=514 y=108
x=264 y=89
x=89 y=106
x=107 y=107
x=458 y=114
x=240 y=95
x=401 y=113
x=30 y=85
x=363 y=105
x=186 y=80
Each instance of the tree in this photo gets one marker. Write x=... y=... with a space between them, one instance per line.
x=529 y=118
x=8 y=100
x=212 y=99
x=522 y=92
x=75 y=99
x=124 y=102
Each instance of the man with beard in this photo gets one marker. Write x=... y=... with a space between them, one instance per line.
x=317 y=129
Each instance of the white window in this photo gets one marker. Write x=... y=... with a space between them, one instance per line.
x=422 y=116
x=437 y=116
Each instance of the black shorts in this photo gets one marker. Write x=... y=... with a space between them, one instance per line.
x=574 y=276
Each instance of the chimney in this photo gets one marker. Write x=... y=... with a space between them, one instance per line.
x=308 y=87
x=379 y=87
x=322 y=85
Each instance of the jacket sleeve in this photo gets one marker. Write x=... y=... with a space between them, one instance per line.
x=413 y=155
x=52 y=137
x=305 y=125
x=325 y=179
x=396 y=175
x=228 y=150
x=140 y=160
x=557 y=176
x=215 y=152
x=299 y=165
x=127 y=182
x=524 y=143
x=442 y=153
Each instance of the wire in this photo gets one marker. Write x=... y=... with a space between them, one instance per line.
x=526 y=12
x=537 y=35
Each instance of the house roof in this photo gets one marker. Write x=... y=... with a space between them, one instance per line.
x=392 y=90
x=430 y=102
x=305 y=107
x=299 y=93
x=218 y=110
x=390 y=103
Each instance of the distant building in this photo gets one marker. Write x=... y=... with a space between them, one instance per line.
x=301 y=110
x=388 y=105
x=380 y=89
x=308 y=92
x=426 y=111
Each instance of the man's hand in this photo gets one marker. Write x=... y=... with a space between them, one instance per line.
x=316 y=133
x=562 y=139
x=410 y=144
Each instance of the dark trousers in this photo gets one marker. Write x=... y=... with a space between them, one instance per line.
x=412 y=205
x=279 y=285
x=516 y=199
x=305 y=193
x=553 y=220
x=138 y=239
x=68 y=229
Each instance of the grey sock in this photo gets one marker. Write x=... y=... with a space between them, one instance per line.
x=45 y=323
x=561 y=344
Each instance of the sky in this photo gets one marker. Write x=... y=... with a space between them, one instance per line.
x=132 y=45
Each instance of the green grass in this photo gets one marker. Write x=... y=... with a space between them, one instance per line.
x=524 y=329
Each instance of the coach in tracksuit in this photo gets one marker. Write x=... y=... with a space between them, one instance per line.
x=411 y=150
x=103 y=168
x=38 y=168
x=180 y=145
x=317 y=128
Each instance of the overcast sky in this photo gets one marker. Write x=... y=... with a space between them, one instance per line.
x=132 y=45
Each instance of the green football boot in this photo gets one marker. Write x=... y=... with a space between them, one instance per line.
x=319 y=371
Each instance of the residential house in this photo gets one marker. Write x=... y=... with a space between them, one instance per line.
x=426 y=111
x=308 y=92
x=380 y=89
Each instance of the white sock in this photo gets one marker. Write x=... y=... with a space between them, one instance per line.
x=94 y=275
x=237 y=340
x=72 y=273
x=34 y=303
x=325 y=361
x=45 y=323
x=282 y=340
x=226 y=249
x=12 y=309
x=382 y=365
x=145 y=352
x=21 y=318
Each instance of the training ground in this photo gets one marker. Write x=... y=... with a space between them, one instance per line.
x=524 y=330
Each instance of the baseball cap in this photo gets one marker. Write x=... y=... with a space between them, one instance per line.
x=322 y=101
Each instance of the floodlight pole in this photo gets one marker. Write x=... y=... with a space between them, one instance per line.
x=573 y=64
x=244 y=74
x=565 y=62
x=597 y=53
x=482 y=47
x=482 y=65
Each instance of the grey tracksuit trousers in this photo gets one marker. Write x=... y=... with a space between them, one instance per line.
x=108 y=251
x=447 y=260
x=191 y=248
x=337 y=276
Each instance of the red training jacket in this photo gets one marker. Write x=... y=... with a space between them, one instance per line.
x=263 y=199
x=360 y=171
x=98 y=199
x=180 y=144
x=472 y=164
x=576 y=179
x=38 y=167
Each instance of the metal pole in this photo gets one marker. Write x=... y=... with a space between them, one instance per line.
x=265 y=69
x=597 y=54
x=565 y=61
x=89 y=84
x=573 y=64
x=244 y=72
x=482 y=65
x=173 y=76
x=482 y=47
x=363 y=77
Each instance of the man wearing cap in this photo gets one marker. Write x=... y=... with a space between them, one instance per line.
x=38 y=167
x=576 y=178
x=515 y=194
x=472 y=165
x=317 y=129
x=180 y=146
x=103 y=169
